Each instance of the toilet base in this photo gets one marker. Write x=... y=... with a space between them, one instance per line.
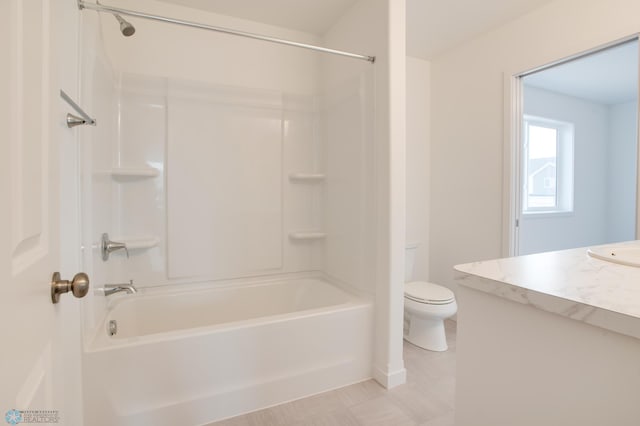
x=426 y=333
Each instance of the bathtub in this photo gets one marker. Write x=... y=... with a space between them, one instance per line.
x=199 y=354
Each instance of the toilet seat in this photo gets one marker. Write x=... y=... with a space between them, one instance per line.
x=428 y=293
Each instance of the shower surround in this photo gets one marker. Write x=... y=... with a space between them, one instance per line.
x=222 y=177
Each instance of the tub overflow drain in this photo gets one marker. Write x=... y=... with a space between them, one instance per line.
x=113 y=327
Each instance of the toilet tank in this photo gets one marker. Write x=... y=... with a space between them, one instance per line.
x=409 y=261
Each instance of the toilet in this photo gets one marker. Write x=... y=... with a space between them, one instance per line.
x=426 y=306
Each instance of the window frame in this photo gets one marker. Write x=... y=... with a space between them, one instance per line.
x=564 y=166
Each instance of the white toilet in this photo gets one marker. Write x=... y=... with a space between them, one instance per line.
x=426 y=306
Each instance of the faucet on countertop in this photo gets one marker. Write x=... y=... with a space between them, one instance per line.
x=110 y=289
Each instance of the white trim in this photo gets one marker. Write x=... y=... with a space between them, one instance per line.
x=390 y=379
x=637 y=233
x=584 y=53
x=511 y=163
x=565 y=138
x=545 y=214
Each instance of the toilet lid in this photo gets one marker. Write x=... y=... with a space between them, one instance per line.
x=424 y=292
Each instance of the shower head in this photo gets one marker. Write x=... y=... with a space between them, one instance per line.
x=126 y=28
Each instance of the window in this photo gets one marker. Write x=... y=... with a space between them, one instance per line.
x=547 y=166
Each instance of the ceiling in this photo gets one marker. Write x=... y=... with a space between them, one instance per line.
x=311 y=16
x=433 y=26
x=608 y=77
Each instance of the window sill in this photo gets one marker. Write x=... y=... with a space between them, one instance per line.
x=546 y=214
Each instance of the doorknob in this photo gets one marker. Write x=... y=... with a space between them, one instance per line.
x=79 y=286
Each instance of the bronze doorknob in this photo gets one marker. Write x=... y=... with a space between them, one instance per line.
x=79 y=286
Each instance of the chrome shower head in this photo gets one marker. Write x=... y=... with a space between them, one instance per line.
x=126 y=28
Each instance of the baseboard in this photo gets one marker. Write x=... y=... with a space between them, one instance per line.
x=390 y=379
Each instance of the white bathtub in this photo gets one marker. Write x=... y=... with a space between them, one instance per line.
x=200 y=355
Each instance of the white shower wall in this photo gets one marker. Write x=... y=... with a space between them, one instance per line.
x=139 y=208
x=220 y=135
x=347 y=137
x=99 y=97
x=228 y=147
x=225 y=155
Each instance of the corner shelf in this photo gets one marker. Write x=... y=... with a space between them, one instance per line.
x=306 y=177
x=133 y=172
x=307 y=235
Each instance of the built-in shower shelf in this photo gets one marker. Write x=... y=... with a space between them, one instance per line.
x=134 y=172
x=137 y=242
x=306 y=177
x=307 y=235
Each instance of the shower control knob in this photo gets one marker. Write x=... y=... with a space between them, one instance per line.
x=79 y=286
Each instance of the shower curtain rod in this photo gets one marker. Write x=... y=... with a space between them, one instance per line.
x=114 y=10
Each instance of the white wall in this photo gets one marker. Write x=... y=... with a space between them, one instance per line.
x=467 y=122
x=418 y=162
x=622 y=155
x=587 y=224
x=377 y=27
x=191 y=54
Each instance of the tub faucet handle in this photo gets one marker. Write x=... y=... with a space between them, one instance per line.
x=107 y=246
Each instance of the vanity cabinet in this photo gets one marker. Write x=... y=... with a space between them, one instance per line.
x=548 y=339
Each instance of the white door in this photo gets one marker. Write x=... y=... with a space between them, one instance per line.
x=39 y=361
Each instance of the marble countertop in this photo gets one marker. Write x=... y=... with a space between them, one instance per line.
x=569 y=283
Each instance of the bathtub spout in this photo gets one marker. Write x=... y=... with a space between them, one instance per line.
x=110 y=289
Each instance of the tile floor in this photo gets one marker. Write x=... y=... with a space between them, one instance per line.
x=425 y=400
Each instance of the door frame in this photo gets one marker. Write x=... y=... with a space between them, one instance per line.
x=512 y=147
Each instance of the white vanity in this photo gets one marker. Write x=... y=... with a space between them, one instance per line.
x=550 y=339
